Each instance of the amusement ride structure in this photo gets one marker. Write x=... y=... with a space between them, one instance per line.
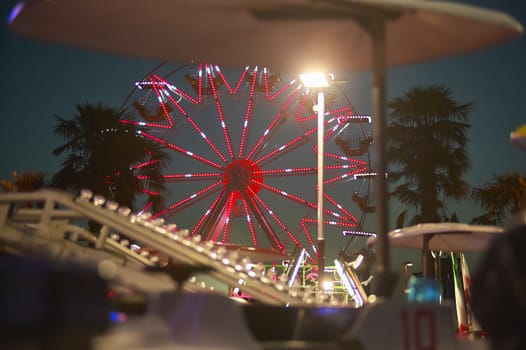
x=242 y=147
x=237 y=180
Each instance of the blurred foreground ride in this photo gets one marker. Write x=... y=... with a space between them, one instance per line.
x=58 y=291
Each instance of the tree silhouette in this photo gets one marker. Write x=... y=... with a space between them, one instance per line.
x=426 y=151
x=25 y=181
x=502 y=196
x=104 y=154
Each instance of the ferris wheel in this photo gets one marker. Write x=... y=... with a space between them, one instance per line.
x=242 y=146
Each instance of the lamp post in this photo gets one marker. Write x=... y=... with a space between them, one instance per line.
x=319 y=81
x=407 y=265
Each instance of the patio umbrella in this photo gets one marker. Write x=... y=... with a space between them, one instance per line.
x=443 y=236
x=286 y=35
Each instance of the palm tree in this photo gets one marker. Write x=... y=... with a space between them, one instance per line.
x=501 y=197
x=103 y=155
x=426 y=151
x=26 y=181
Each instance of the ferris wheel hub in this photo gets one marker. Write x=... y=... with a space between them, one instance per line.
x=243 y=175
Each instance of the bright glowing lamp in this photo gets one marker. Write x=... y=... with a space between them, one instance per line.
x=328 y=286
x=315 y=80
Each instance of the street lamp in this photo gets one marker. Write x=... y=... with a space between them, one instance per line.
x=319 y=81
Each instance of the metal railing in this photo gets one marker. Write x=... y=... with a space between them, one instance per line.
x=56 y=218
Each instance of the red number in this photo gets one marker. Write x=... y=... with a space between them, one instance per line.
x=419 y=329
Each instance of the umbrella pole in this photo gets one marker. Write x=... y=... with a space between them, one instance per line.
x=426 y=257
x=385 y=279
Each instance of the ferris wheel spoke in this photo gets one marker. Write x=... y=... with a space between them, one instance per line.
x=183 y=94
x=341 y=224
x=306 y=171
x=269 y=132
x=341 y=208
x=143 y=168
x=145 y=208
x=289 y=196
x=220 y=230
x=248 y=113
x=351 y=166
x=277 y=220
x=332 y=128
x=305 y=227
x=229 y=216
x=234 y=90
x=164 y=107
x=220 y=114
x=192 y=199
x=213 y=225
x=272 y=81
x=344 y=159
x=188 y=118
x=250 y=223
x=192 y=177
x=303 y=202
x=342 y=177
x=182 y=151
x=149 y=192
x=285 y=148
x=198 y=129
x=351 y=171
x=206 y=214
x=184 y=177
x=216 y=224
x=262 y=219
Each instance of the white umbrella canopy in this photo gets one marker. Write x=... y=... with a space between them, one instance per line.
x=284 y=35
x=444 y=236
x=290 y=36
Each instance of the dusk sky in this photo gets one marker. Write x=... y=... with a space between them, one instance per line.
x=40 y=80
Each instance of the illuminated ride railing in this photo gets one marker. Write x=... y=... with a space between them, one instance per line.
x=52 y=219
x=341 y=286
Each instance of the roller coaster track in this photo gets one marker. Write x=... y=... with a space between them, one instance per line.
x=55 y=222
